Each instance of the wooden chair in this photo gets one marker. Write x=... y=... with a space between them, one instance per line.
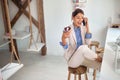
x=98 y=51
x=77 y=71
x=96 y=45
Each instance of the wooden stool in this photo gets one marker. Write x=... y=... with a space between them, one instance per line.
x=77 y=71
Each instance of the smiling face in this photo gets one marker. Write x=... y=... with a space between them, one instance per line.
x=77 y=20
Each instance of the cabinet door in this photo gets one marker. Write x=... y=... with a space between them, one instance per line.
x=117 y=59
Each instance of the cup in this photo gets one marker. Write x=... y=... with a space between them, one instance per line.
x=66 y=29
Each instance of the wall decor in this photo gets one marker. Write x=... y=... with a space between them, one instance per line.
x=79 y=3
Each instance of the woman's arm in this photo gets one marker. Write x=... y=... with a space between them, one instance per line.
x=88 y=35
x=65 y=35
x=86 y=25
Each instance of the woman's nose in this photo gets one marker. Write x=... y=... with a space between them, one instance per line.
x=81 y=20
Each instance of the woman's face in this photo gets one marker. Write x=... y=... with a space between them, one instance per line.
x=77 y=20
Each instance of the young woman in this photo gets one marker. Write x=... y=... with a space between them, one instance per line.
x=75 y=41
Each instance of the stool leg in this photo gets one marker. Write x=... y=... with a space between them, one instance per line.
x=79 y=77
x=86 y=77
x=69 y=74
x=94 y=75
x=74 y=76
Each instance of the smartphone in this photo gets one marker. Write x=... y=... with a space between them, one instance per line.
x=66 y=29
x=84 y=23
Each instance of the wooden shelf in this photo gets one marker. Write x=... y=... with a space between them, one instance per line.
x=8 y=70
x=19 y=35
x=116 y=24
x=37 y=48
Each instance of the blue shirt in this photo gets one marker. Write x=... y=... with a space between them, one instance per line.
x=78 y=38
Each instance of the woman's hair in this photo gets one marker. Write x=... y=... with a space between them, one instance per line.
x=76 y=11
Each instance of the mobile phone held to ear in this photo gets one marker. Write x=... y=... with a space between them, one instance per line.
x=66 y=29
x=84 y=23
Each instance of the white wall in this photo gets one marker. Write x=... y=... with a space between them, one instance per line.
x=1 y=28
x=117 y=12
x=57 y=15
x=98 y=13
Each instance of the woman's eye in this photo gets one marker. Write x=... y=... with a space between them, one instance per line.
x=79 y=18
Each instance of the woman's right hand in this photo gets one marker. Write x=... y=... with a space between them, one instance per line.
x=65 y=35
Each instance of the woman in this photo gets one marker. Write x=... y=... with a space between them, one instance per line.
x=75 y=41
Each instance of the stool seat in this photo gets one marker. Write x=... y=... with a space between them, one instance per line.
x=77 y=71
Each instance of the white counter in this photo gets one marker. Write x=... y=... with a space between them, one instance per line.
x=108 y=65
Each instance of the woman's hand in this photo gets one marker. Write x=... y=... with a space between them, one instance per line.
x=65 y=35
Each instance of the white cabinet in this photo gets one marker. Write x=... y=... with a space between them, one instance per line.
x=111 y=57
x=117 y=59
